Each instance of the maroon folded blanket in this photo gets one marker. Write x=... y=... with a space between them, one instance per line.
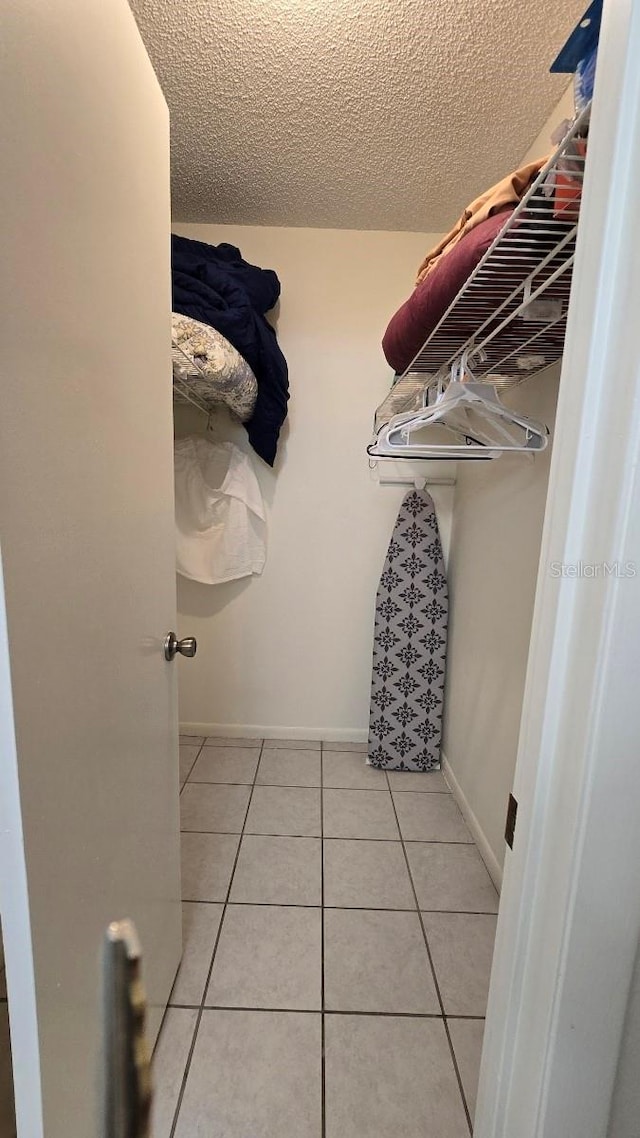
x=418 y=316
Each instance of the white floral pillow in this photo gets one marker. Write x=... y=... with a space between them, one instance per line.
x=211 y=366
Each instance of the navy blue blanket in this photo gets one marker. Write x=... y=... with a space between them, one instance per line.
x=213 y=284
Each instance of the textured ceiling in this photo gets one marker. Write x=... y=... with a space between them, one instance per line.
x=363 y=114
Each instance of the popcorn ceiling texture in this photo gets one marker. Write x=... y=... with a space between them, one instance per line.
x=359 y=114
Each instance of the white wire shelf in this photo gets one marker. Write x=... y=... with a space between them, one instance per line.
x=510 y=315
x=185 y=371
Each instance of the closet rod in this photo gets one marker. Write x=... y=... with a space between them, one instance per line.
x=407 y=480
x=412 y=481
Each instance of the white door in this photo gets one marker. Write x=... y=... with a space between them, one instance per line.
x=88 y=742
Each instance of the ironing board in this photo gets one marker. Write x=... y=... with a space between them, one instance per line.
x=410 y=643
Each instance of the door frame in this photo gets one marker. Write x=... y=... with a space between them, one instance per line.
x=569 y=921
x=14 y=907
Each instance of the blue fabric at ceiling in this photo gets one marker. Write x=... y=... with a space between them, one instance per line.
x=582 y=41
x=212 y=283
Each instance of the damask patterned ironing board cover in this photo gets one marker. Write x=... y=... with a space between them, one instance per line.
x=410 y=643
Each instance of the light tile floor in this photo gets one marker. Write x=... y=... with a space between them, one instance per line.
x=338 y=934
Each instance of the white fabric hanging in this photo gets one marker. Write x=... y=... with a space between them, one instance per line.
x=220 y=520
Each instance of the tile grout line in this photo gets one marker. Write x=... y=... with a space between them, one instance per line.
x=302 y=785
x=192 y=765
x=345 y=908
x=357 y=908
x=257 y=834
x=181 y=788
x=213 y=957
x=328 y=1012
x=222 y=743
x=323 y=1073
x=288 y=785
x=433 y=971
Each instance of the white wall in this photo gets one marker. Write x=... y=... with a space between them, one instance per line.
x=290 y=653
x=493 y=563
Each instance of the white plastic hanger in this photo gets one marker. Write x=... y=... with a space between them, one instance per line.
x=466 y=420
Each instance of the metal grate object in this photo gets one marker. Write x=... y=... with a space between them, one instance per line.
x=510 y=316
x=184 y=370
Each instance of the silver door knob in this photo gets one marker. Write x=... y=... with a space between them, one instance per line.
x=186 y=647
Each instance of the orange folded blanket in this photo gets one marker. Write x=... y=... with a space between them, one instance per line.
x=505 y=193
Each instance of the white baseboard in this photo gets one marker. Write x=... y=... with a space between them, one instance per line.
x=479 y=837
x=256 y=731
